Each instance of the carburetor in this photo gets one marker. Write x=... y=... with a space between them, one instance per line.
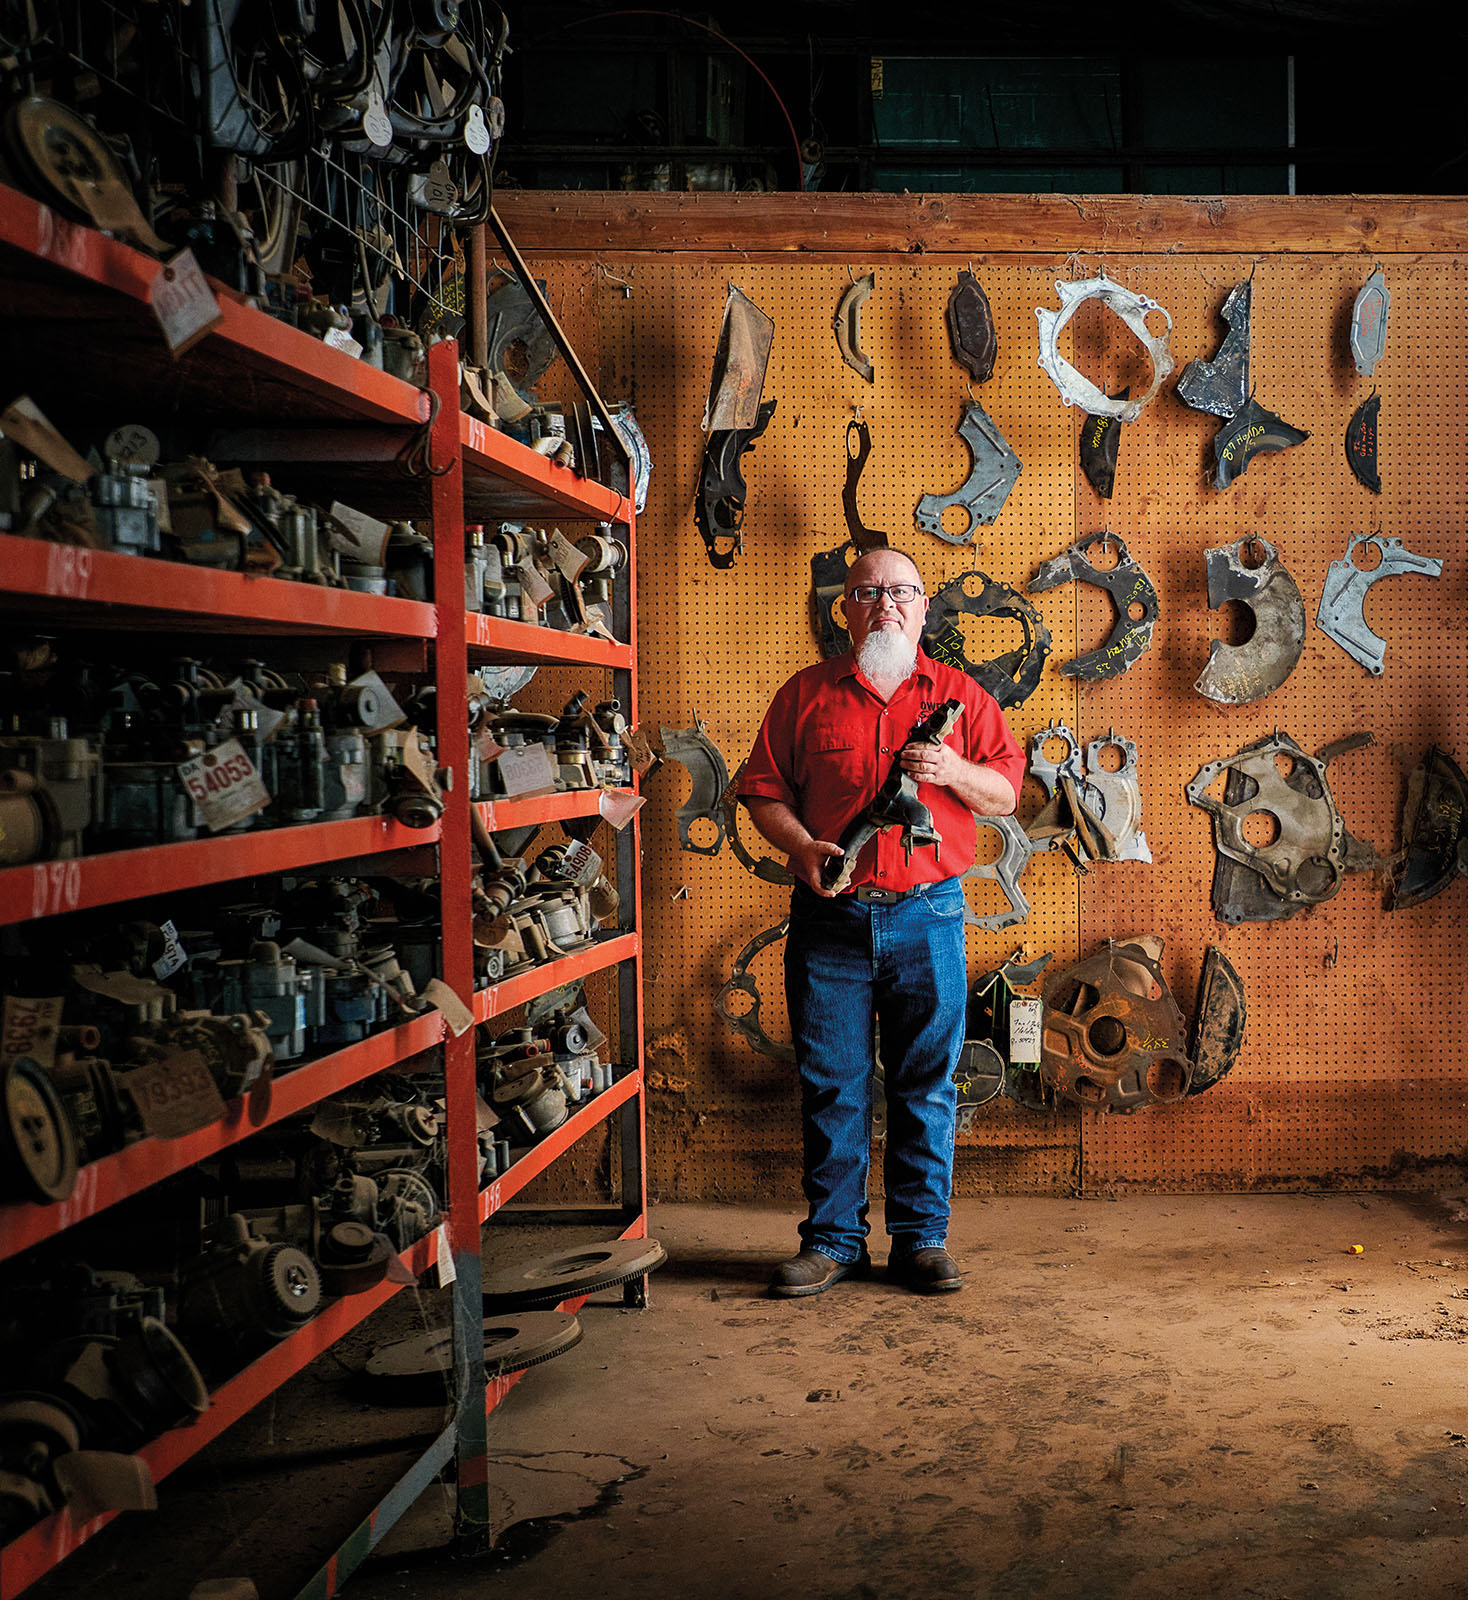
x=51 y=793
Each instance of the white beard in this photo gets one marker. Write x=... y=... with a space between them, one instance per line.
x=888 y=655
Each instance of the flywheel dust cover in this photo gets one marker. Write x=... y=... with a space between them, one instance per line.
x=581 y=1269
x=511 y=1344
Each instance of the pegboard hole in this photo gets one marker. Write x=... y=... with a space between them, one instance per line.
x=1366 y=556
x=957 y=521
x=1284 y=765
x=1111 y=758
x=1261 y=829
x=1236 y=623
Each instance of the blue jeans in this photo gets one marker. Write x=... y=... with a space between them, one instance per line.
x=903 y=968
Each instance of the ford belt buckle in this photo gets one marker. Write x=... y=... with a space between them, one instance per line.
x=878 y=897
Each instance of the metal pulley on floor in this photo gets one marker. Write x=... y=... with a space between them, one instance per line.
x=580 y=1270
x=512 y=1343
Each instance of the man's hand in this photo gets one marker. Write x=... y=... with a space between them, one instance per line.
x=807 y=860
x=980 y=788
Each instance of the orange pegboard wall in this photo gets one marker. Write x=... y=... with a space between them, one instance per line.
x=1353 y=1072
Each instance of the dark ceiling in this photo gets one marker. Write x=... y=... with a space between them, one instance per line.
x=1195 y=96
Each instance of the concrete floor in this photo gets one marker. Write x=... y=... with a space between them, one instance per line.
x=1159 y=1396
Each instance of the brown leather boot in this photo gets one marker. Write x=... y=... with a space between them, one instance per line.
x=813 y=1273
x=926 y=1271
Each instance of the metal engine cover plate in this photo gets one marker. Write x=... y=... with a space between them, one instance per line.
x=1218 y=1022
x=1368 y=323
x=1130 y=589
x=579 y=1270
x=1307 y=862
x=994 y=470
x=1434 y=837
x=1014 y=856
x=1246 y=434
x=1221 y=386
x=511 y=1344
x=1236 y=674
x=1075 y=388
x=971 y=332
x=1341 y=614
x=1361 y=439
x=709 y=778
x=1112 y=1036
x=1012 y=677
x=748 y=1024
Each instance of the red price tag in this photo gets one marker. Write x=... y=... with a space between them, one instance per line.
x=224 y=785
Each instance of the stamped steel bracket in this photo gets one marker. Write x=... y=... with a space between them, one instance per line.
x=1011 y=677
x=719 y=510
x=1313 y=852
x=1434 y=832
x=993 y=471
x=1014 y=856
x=748 y=1025
x=971 y=332
x=1218 y=1021
x=847 y=324
x=1100 y=446
x=1221 y=386
x=1131 y=591
x=1361 y=437
x=766 y=867
x=709 y=778
x=828 y=569
x=1075 y=388
x=1237 y=674
x=1341 y=613
x=1250 y=432
x=1368 y=323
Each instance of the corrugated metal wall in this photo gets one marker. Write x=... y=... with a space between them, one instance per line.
x=1353 y=1072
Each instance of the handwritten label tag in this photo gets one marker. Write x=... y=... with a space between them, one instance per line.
x=133 y=443
x=340 y=339
x=183 y=302
x=526 y=769
x=29 y=1028
x=458 y=1016
x=175 y=1096
x=566 y=556
x=376 y=123
x=224 y=785
x=476 y=131
x=447 y=1272
x=583 y=864
x=533 y=587
x=173 y=956
x=22 y=420
x=365 y=538
x=1025 y=1015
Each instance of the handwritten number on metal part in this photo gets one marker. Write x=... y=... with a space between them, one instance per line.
x=55 y=886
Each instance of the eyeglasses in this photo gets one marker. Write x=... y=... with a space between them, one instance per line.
x=868 y=594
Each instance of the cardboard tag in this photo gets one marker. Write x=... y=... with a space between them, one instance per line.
x=458 y=1016
x=173 y=956
x=311 y=955
x=639 y=747
x=1025 y=1015
x=599 y=622
x=376 y=123
x=566 y=556
x=619 y=807
x=133 y=443
x=444 y=1261
x=94 y=1481
x=526 y=769
x=183 y=302
x=175 y=1096
x=533 y=587
x=583 y=864
x=340 y=339
x=29 y=1028
x=365 y=537
x=224 y=785
x=120 y=987
x=22 y=421
x=476 y=131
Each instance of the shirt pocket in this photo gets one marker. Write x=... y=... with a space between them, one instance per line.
x=832 y=760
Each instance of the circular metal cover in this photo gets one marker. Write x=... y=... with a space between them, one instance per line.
x=161 y=1373
x=511 y=1344
x=35 y=1134
x=581 y=1269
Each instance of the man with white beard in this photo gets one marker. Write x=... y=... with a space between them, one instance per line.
x=888 y=951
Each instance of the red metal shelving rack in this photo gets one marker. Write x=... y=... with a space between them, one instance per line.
x=272 y=395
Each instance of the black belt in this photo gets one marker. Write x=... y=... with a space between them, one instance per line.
x=868 y=895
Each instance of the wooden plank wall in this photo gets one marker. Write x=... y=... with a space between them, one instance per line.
x=1353 y=1073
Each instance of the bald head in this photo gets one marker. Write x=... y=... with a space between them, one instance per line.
x=876 y=567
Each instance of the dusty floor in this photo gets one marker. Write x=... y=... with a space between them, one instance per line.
x=1151 y=1397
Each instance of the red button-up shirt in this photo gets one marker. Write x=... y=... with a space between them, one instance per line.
x=829 y=740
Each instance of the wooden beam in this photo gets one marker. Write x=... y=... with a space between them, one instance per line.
x=574 y=224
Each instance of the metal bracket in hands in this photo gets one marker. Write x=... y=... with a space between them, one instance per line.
x=895 y=804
